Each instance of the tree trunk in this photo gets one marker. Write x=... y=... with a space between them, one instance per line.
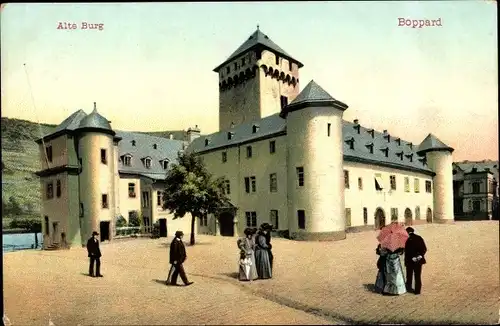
x=193 y=219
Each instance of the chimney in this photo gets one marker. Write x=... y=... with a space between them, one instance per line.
x=193 y=133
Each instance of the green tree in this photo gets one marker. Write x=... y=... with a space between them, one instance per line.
x=121 y=222
x=133 y=219
x=190 y=188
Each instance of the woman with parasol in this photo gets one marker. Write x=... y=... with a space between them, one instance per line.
x=390 y=277
x=247 y=268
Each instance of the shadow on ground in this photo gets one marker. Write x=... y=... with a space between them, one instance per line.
x=234 y=275
x=167 y=244
x=162 y=282
x=370 y=287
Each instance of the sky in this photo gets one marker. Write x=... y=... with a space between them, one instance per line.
x=150 y=67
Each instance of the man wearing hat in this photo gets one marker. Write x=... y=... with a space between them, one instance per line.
x=177 y=258
x=415 y=250
x=94 y=255
x=268 y=227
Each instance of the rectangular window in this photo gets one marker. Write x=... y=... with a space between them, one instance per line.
x=300 y=176
x=346 y=179
x=249 y=151
x=58 y=188
x=227 y=187
x=159 y=198
x=347 y=217
x=147 y=163
x=145 y=199
x=50 y=190
x=378 y=182
x=104 y=158
x=243 y=61
x=224 y=157
x=131 y=190
x=328 y=129
x=476 y=206
x=127 y=160
x=277 y=60
x=417 y=213
x=290 y=65
x=164 y=164
x=228 y=70
x=394 y=214
x=365 y=216
x=301 y=217
x=48 y=152
x=407 y=184
x=104 y=201
x=360 y=184
x=428 y=186
x=272 y=146
x=254 y=185
x=475 y=187
x=393 y=182
x=274 y=218
x=283 y=101
x=273 y=182
x=204 y=220
x=247 y=185
x=251 y=219
x=416 y=185
x=258 y=55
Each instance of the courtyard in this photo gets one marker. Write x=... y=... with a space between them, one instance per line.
x=313 y=283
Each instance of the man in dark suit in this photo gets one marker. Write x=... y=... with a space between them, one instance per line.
x=94 y=255
x=415 y=250
x=177 y=258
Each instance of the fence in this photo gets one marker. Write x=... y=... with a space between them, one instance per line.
x=128 y=231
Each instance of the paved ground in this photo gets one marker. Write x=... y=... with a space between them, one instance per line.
x=314 y=283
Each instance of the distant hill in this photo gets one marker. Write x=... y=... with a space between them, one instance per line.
x=20 y=159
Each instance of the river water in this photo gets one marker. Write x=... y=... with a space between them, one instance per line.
x=20 y=241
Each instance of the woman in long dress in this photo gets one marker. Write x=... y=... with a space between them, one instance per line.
x=381 y=264
x=262 y=256
x=394 y=277
x=247 y=267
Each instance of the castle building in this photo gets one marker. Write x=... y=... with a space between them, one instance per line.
x=288 y=157
x=475 y=190
x=92 y=175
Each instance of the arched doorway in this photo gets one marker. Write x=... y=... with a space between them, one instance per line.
x=429 y=215
x=226 y=224
x=379 y=218
x=408 y=217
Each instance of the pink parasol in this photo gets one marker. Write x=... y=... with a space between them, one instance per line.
x=393 y=236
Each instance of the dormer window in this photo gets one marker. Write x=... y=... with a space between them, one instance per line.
x=398 y=141
x=164 y=164
x=370 y=147
x=255 y=128
x=230 y=135
x=127 y=160
x=155 y=146
x=133 y=142
x=385 y=150
x=474 y=169
x=400 y=155
x=387 y=136
x=371 y=132
x=423 y=160
x=357 y=128
x=147 y=162
x=350 y=142
x=410 y=157
x=207 y=141
x=410 y=145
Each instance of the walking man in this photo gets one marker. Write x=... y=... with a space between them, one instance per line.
x=415 y=250
x=177 y=258
x=94 y=255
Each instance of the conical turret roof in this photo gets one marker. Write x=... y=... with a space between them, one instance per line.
x=313 y=95
x=432 y=143
x=95 y=121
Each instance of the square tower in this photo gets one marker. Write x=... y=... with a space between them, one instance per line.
x=256 y=81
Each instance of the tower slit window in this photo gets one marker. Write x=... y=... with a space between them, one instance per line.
x=346 y=179
x=104 y=158
x=48 y=152
x=272 y=146
x=301 y=217
x=249 y=151
x=300 y=176
x=328 y=129
x=104 y=200
x=224 y=157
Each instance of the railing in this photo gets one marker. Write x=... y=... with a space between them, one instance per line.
x=134 y=230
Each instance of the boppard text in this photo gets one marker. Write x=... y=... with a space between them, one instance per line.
x=82 y=25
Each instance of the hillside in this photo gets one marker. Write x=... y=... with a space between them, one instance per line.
x=20 y=159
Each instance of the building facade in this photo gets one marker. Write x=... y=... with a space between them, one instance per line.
x=92 y=175
x=290 y=159
x=475 y=190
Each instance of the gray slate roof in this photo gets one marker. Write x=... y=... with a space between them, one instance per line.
x=481 y=166
x=72 y=122
x=273 y=125
x=257 y=38
x=312 y=93
x=431 y=143
x=95 y=120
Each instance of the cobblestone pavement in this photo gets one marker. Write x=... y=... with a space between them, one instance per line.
x=313 y=283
